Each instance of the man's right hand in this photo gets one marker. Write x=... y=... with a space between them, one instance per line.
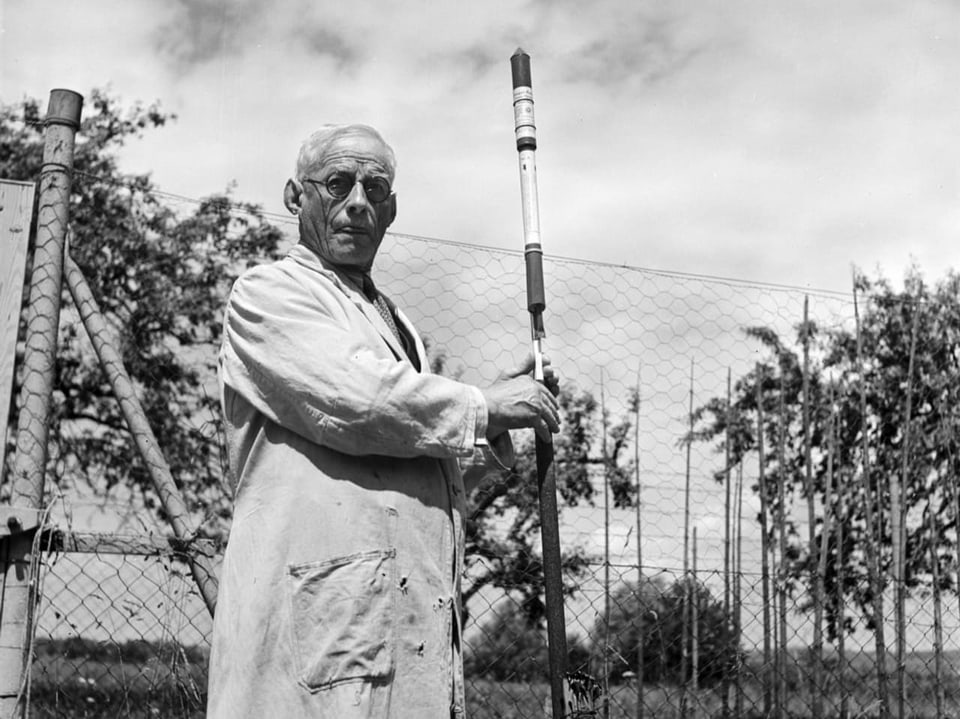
x=516 y=400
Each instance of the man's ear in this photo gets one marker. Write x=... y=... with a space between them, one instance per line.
x=293 y=196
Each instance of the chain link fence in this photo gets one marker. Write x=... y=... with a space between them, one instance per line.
x=688 y=600
x=122 y=631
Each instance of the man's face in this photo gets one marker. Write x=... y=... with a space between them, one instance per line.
x=339 y=218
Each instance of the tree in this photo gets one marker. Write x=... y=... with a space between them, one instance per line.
x=507 y=558
x=651 y=619
x=161 y=279
x=508 y=647
x=916 y=328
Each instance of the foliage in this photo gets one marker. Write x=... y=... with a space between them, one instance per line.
x=509 y=648
x=509 y=558
x=133 y=651
x=652 y=619
x=161 y=280
x=908 y=358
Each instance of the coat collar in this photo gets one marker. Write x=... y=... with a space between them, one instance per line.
x=350 y=284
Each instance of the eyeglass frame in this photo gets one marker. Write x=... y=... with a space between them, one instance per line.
x=380 y=183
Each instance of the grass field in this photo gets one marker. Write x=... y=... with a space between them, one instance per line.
x=76 y=678
x=81 y=679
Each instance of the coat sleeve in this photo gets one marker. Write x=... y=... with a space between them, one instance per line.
x=493 y=458
x=290 y=351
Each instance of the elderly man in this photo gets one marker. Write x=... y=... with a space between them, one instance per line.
x=339 y=595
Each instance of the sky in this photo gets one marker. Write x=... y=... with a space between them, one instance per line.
x=772 y=142
x=779 y=142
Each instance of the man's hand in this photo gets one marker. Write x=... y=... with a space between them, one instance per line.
x=517 y=400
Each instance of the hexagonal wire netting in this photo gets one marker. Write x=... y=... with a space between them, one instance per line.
x=672 y=340
x=687 y=576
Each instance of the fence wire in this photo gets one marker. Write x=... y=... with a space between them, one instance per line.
x=119 y=634
x=711 y=629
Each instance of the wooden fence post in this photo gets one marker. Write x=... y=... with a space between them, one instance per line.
x=16 y=211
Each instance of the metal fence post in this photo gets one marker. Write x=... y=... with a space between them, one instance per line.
x=201 y=566
x=21 y=519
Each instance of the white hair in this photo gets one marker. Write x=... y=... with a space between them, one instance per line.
x=315 y=146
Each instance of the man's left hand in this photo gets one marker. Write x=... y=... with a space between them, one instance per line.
x=550 y=377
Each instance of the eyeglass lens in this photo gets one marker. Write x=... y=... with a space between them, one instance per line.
x=339 y=186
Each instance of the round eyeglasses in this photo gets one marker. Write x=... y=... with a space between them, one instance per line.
x=340 y=184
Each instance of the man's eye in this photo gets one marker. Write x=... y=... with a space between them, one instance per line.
x=377 y=189
x=339 y=186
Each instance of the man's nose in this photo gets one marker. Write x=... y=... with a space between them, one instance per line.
x=357 y=199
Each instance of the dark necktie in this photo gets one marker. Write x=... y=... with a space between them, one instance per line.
x=370 y=290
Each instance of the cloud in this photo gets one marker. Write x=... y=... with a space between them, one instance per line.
x=777 y=140
x=616 y=43
x=325 y=42
x=201 y=30
x=80 y=46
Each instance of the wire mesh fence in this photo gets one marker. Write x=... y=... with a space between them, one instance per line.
x=122 y=631
x=705 y=563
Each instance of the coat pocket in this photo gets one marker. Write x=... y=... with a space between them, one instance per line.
x=342 y=618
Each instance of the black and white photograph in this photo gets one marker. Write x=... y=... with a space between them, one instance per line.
x=446 y=360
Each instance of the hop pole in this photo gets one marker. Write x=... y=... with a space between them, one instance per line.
x=583 y=689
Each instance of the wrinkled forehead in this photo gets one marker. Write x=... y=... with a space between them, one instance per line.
x=335 y=146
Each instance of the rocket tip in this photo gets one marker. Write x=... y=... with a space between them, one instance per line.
x=519 y=51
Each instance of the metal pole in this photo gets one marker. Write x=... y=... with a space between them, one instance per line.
x=62 y=123
x=686 y=601
x=816 y=676
x=22 y=517
x=781 y=653
x=840 y=518
x=163 y=482
x=898 y=516
x=737 y=605
x=874 y=526
x=526 y=136
x=826 y=532
x=641 y=608
x=694 y=628
x=766 y=550
x=725 y=636
x=605 y=676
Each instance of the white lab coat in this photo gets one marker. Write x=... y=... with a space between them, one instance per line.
x=339 y=593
